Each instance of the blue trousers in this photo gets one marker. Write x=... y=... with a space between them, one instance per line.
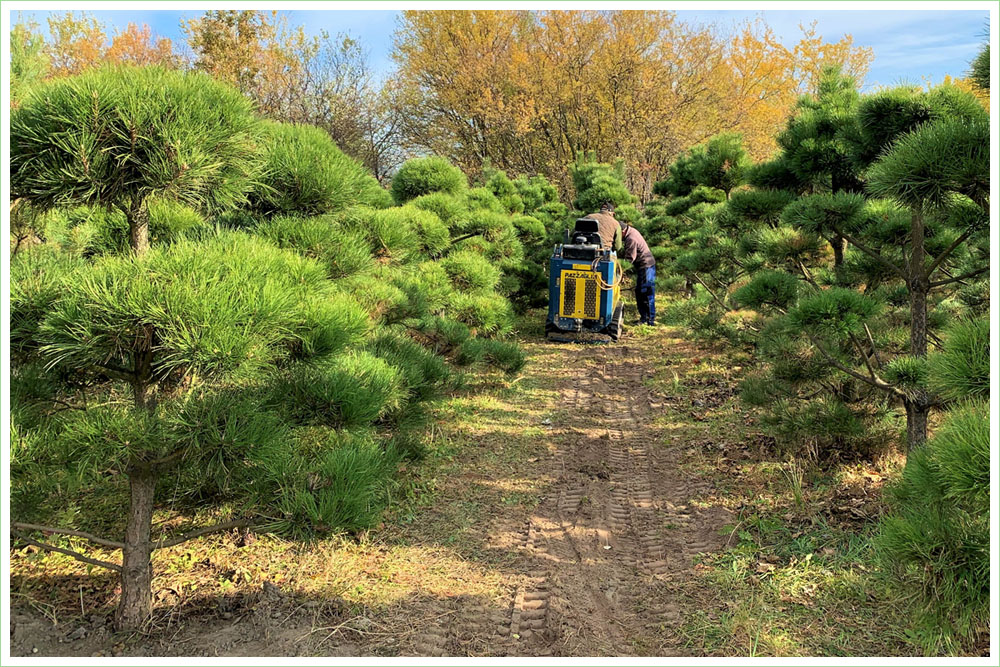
x=645 y=294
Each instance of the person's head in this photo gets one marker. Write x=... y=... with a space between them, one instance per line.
x=607 y=207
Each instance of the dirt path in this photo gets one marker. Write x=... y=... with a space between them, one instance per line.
x=601 y=558
x=563 y=524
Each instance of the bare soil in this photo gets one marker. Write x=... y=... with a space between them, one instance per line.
x=565 y=525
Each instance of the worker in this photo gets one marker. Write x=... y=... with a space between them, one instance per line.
x=607 y=227
x=636 y=251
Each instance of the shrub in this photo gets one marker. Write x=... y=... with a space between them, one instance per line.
x=506 y=356
x=939 y=530
x=486 y=313
x=322 y=238
x=353 y=389
x=529 y=229
x=343 y=488
x=962 y=368
x=421 y=176
x=387 y=231
x=449 y=208
x=39 y=276
x=470 y=271
x=768 y=288
x=424 y=372
x=305 y=173
x=483 y=199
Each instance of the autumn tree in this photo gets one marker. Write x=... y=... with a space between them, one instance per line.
x=77 y=43
x=529 y=90
x=138 y=46
x=323 y=80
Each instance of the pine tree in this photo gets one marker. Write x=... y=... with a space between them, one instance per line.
x=106 y=138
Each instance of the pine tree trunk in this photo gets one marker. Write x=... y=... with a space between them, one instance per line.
x=136 y=603
x=839 y=243
x=918 y=407
x=916 y=423
x=138 y=226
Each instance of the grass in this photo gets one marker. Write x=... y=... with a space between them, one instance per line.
x=799 y=576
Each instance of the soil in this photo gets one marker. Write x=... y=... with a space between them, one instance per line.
x=601 y=562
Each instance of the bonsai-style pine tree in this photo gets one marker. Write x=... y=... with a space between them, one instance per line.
x=194 y=331
x=923 y=233
x=116 y=136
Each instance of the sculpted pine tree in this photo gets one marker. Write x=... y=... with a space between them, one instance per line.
x=116 y=136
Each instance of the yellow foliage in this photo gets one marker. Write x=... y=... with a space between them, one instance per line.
x=528 y=90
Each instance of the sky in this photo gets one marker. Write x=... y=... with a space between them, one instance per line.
x=910 y=46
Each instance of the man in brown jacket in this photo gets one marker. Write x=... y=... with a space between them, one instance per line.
x=608 y=227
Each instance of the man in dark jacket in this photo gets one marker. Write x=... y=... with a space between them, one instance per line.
x=636 y=251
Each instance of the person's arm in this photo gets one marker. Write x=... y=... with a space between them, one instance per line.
x=629 y=250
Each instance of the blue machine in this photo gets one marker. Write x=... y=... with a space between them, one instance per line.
x=584 y=287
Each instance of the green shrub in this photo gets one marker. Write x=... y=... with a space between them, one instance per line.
x=39 y=276
x=344 y=488
x=322 y=238
x=486 y=313
x=352 y=389
x=482 y=199
x=421 y=176
x=962 y=368
x=449 y=208
x=768 y=288
x=939 y=530
x=387 y=231
x=425 y=373
x=306 y=174
x=506 y=356
x=444 y=333
x=469 y=270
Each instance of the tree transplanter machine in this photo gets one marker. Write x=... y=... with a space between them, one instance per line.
x=584 y=288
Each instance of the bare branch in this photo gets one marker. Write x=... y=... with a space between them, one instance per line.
x=66 y=531
x=958 y=279
x=874 y=381
x=72 y=554
x=709 y=290
x=217 y=528
x=871 y=341
x=947 y=251
x=871 y=253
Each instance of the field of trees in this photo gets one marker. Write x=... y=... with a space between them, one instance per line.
x=252 y=284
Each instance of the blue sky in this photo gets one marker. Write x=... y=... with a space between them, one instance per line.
x=909 y=45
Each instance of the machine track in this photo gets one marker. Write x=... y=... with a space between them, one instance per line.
x=601 y=561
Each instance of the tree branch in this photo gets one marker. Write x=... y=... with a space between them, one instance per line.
x=871 y=253
x=947 y=251
x=873 y=381
x=871 y=341
x=958 y=279
x=117 y=372
x=217 y=528
x=66 y=531
x=464 y=237
x=72 y=554
x=868 y=364
x=709 y=290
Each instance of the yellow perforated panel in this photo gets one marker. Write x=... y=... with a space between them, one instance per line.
x=581 y=294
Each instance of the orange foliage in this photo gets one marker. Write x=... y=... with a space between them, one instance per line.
x=136 y=46
x=77 y=43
